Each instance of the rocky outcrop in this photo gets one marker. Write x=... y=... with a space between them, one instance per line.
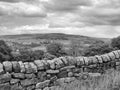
x=43 y=74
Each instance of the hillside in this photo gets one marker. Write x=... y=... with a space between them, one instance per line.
x=39 y=41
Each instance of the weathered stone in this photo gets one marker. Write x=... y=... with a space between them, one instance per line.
x=70 y=74
x=62 y=81
x=18 y=75
x=105 y=57
x=53 y=79
x=99 y=58
x=41 y=76
x=71 y=60
x=62 y=74
x=69 y=80
x=80 y=61
x=28 y=67
x=30 y=76
x=112 y=55
x=58 y=63
x=5 y=78
x=16 y=86
x=64 y=60
x=95 y=60
x=16 y=66
x=39 y=64
x=52 y=71
x=94 y=74
x=22 y=67
x=7 y=66
x=33 y=67
x=46 y=64
x=14 y=81
x=47 y=88
x=52 y=64
x=117 y=63
x=29 y=82
x=86 y=60
x=42 y=85
x=54 y=88
x=32 y=87
x=67 y=67
x=90 y=61
x=5 y=86
x=1 y=69
x=116 y=54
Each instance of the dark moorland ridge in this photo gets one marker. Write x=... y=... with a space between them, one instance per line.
x=59 y=36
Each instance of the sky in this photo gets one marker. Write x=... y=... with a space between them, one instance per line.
x=95 y=18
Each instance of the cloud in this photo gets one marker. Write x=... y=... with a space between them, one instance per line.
x=65 y=5
x=98 y=18
x=21 y=9
x=105 y=31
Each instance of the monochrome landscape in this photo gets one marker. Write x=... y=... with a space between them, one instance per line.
x=59 y=44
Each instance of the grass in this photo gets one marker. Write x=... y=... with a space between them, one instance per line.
x=108 y=81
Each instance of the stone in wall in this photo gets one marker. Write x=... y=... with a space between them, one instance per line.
x=86 y=59
x=42 y=85
x=71 y=60
x=1 y=69
x=29 y=82
x=51 y=64
x=112 y=55
x=14 y=81
x=99 y=58
x=18 y=75
x=7 y=66
x=106 y=58
x=28 y=67
x=22 y=67
x=62 y=74
x=52 y=71
x=80 y=61
x=39 y=64
x=30 y=76
x=16 y=66
x=46 y=64
x=4 y=78
x=67 y=68
x=64 y=60
x=58 y=63
x=116 y=54
x=41 y=75
x=33 y=67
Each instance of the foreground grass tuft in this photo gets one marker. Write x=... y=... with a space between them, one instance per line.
x=108 y=81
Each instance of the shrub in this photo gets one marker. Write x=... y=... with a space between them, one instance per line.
x=56 y=49
x=28 y=55
x=5 y=51
x=115 y=43
x=98 y=49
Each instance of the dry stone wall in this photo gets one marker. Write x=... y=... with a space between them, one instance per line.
x=40 y=74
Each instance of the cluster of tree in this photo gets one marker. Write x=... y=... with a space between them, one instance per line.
x=57 y=50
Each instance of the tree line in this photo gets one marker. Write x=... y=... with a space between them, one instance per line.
x=57 y=50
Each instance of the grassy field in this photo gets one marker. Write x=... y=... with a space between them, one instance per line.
x=108 y=81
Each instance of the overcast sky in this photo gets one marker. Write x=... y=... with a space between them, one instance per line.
x=97 y=18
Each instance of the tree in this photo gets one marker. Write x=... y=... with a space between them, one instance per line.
x=5 y=51
x=28 y=55
x=98 y=49
x=74 y=49
x=115 y=43
x=56 y=49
